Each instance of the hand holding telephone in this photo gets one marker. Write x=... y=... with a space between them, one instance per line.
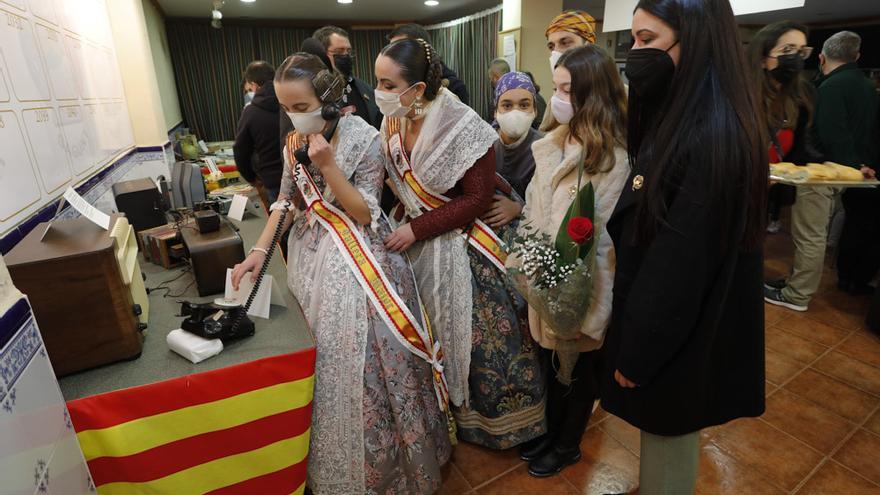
x=304 y=156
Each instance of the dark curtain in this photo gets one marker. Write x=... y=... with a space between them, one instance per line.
x=468 y=48
x=209 y=63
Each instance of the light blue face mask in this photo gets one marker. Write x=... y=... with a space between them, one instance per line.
x=249 y=97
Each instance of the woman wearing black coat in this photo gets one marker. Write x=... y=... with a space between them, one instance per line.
x=685 y=349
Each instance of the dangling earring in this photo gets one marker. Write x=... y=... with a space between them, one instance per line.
x=419 y=107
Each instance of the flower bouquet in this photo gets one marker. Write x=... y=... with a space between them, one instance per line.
x=555 y=275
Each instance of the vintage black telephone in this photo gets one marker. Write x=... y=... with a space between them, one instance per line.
x=212 y=321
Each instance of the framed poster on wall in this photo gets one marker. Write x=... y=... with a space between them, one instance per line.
x=509 y=47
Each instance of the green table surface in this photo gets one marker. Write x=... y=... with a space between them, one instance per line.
x=284 y=332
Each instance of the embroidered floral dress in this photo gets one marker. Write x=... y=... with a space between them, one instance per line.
x=493 y=366
x=377 y=427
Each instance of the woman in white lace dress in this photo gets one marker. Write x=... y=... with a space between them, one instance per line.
x=377 y=424
x=442 y=166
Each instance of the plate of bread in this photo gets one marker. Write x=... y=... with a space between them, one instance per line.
x=819 y=174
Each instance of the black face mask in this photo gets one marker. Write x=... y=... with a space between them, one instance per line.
x=789 y=67
x=649 y=71
x=343 y=64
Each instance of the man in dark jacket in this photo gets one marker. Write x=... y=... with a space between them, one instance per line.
x=845 y=124
x=415 y=31
x=358 y=98
x=256 y=150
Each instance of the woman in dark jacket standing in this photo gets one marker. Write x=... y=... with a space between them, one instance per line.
x=776 y=57
x=685 y=349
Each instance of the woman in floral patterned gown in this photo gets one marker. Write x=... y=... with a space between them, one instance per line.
x=377 y=425
x=442 y=168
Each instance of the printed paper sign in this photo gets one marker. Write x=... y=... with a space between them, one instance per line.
x=618 y=13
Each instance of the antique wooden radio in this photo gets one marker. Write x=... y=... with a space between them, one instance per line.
x=86 y=289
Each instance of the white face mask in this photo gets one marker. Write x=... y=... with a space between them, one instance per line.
x=307 y=123
x=554 y=57
x=562 y=110
x=515 y=123
x=249 y=97
x=389 y=103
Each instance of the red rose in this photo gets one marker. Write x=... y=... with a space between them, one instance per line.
x=580 y=229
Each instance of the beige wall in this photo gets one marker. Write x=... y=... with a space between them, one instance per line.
x=138 y=72
x=535 y=16
x=162 y=63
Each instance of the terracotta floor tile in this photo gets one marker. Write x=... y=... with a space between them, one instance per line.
x=479 y=465
x=721 y=474
x=453 y=482
x=834 y=479
x=852 y=371
x=813 y=330
x=825 y=312
x=847 y=303
x=599 y=416
x=798 y=348
x=873 y=424
x=519 y=482
x=780 y=368
x=607 y=466
x=833 y=395
x=862 y=346
x=773 y=454
x=806 y=421
x=775 y=314
x=624 y=433
x=861 y=453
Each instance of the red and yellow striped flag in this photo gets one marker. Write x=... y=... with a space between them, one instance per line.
x=237 y=430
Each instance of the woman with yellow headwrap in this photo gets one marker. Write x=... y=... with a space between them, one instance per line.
x=570 y=29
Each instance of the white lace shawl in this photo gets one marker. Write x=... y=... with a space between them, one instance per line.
x=451 y=140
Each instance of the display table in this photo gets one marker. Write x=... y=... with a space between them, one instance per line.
x=236 y=423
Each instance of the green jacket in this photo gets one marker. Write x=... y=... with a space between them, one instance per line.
x=846 y=117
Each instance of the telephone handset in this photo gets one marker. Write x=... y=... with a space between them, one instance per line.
x=302 y=154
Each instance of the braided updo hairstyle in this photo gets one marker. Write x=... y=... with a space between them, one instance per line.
x=303 y=65
x=418 y=63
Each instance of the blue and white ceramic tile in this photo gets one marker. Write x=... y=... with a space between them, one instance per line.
x=34 y=422
x=67 y=473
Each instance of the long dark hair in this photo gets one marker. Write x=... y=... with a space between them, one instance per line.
x=708 y=118
x=599 y=103
x=418 y=62
x=782 y=104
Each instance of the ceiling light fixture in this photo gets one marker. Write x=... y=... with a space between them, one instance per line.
x=216 y=15
x=432 y=3
x=344 y=2
x=248 y=1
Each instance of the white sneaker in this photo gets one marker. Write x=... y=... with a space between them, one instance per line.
x=774 y=227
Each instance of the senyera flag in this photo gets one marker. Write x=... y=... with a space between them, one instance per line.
x=237 y=430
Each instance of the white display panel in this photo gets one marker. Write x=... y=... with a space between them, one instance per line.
x=20 y=188
x=46 y=10
x=57 y=63
x=22 y=57
x=79 y=134
x=48 y=147
x=4 y=90
x=62 y=103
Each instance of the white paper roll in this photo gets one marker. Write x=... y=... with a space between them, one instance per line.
x=193 y=347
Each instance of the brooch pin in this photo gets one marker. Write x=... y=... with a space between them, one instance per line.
x=638 y=181
x=572 y=191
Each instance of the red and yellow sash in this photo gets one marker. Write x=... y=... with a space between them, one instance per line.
x=481 y=237
x=369 y=274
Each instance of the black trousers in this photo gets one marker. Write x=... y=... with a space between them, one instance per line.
x=569 y=407
x=858 y=256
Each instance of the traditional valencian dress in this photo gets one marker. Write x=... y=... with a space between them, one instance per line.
x=378 y=425
x=444 y=184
